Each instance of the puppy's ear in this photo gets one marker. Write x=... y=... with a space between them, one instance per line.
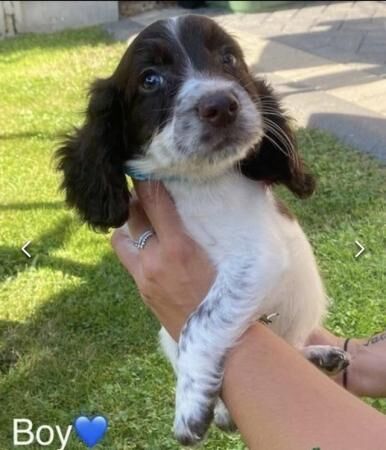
x=276 y=159
x=92 y=159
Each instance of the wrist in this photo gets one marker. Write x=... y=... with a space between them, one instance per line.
x=251 y=342
x=365 y=375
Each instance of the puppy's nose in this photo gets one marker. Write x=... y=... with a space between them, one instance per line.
x=219 y=109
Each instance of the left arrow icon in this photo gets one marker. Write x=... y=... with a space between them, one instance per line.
x=23 y=249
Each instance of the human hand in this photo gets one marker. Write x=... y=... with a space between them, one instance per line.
x=172 y=272
x=366 y=374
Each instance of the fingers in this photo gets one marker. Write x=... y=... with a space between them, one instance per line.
x=122 y=240
x=154 y=209
x=159 y=208
x=138 y=222
x=127 y=253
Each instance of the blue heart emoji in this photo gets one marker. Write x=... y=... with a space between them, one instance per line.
x=90 y=431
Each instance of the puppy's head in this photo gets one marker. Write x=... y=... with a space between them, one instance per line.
x=181 y=103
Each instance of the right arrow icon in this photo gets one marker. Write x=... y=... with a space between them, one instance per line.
x=361 y=249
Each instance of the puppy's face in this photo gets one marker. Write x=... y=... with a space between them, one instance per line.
x=183 y=103
x=194 y=103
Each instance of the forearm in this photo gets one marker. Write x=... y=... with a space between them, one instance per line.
x=280 y=401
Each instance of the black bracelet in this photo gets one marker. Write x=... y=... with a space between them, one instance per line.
x=345 y=375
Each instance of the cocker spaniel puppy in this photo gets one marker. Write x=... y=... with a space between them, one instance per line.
x=183 y=107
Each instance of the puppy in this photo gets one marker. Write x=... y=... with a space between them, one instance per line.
x=183 y=107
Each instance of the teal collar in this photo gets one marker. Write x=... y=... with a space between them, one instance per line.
x=140 y=176
x=136 y=175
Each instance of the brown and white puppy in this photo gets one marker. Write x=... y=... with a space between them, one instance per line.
x=183 y=107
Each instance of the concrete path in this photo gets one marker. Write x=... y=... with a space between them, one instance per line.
x=326 y=59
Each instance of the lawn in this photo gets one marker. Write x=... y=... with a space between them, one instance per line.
x=74 y=336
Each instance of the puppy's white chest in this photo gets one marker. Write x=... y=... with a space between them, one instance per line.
x=229 y=217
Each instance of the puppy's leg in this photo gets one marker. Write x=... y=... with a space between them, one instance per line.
x=331 y=360
x=230 y=307
x=169 y=347
x=222 y=418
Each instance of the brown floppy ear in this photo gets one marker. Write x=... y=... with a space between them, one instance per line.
x=92 y=159
x=276 y=159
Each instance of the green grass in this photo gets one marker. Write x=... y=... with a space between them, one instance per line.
x=74 y=336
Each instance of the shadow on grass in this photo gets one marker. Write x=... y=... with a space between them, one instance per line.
x=76 y=342
x=14 y=261
x=31 y=206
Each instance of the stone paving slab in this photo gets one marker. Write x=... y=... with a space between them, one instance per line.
x=355 y=125
x=124 y=29
x=327 y=59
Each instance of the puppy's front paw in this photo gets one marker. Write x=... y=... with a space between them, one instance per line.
x=331 y=360
x=191 y=424
x=335 y=361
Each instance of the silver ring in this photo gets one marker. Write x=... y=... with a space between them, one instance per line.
x=141 y=241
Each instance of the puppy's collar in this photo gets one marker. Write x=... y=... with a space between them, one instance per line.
x=140 y=176
x=136 y=175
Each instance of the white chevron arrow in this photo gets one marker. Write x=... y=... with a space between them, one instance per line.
x=362 y=249
x=23 y=249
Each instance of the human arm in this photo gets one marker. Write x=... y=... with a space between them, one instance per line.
x=277 y=399
x=280 y=401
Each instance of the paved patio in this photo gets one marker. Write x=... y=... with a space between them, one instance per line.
x=327 y=60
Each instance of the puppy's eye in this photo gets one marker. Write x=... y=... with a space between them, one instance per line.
x=151 y=81
x=229 y=59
